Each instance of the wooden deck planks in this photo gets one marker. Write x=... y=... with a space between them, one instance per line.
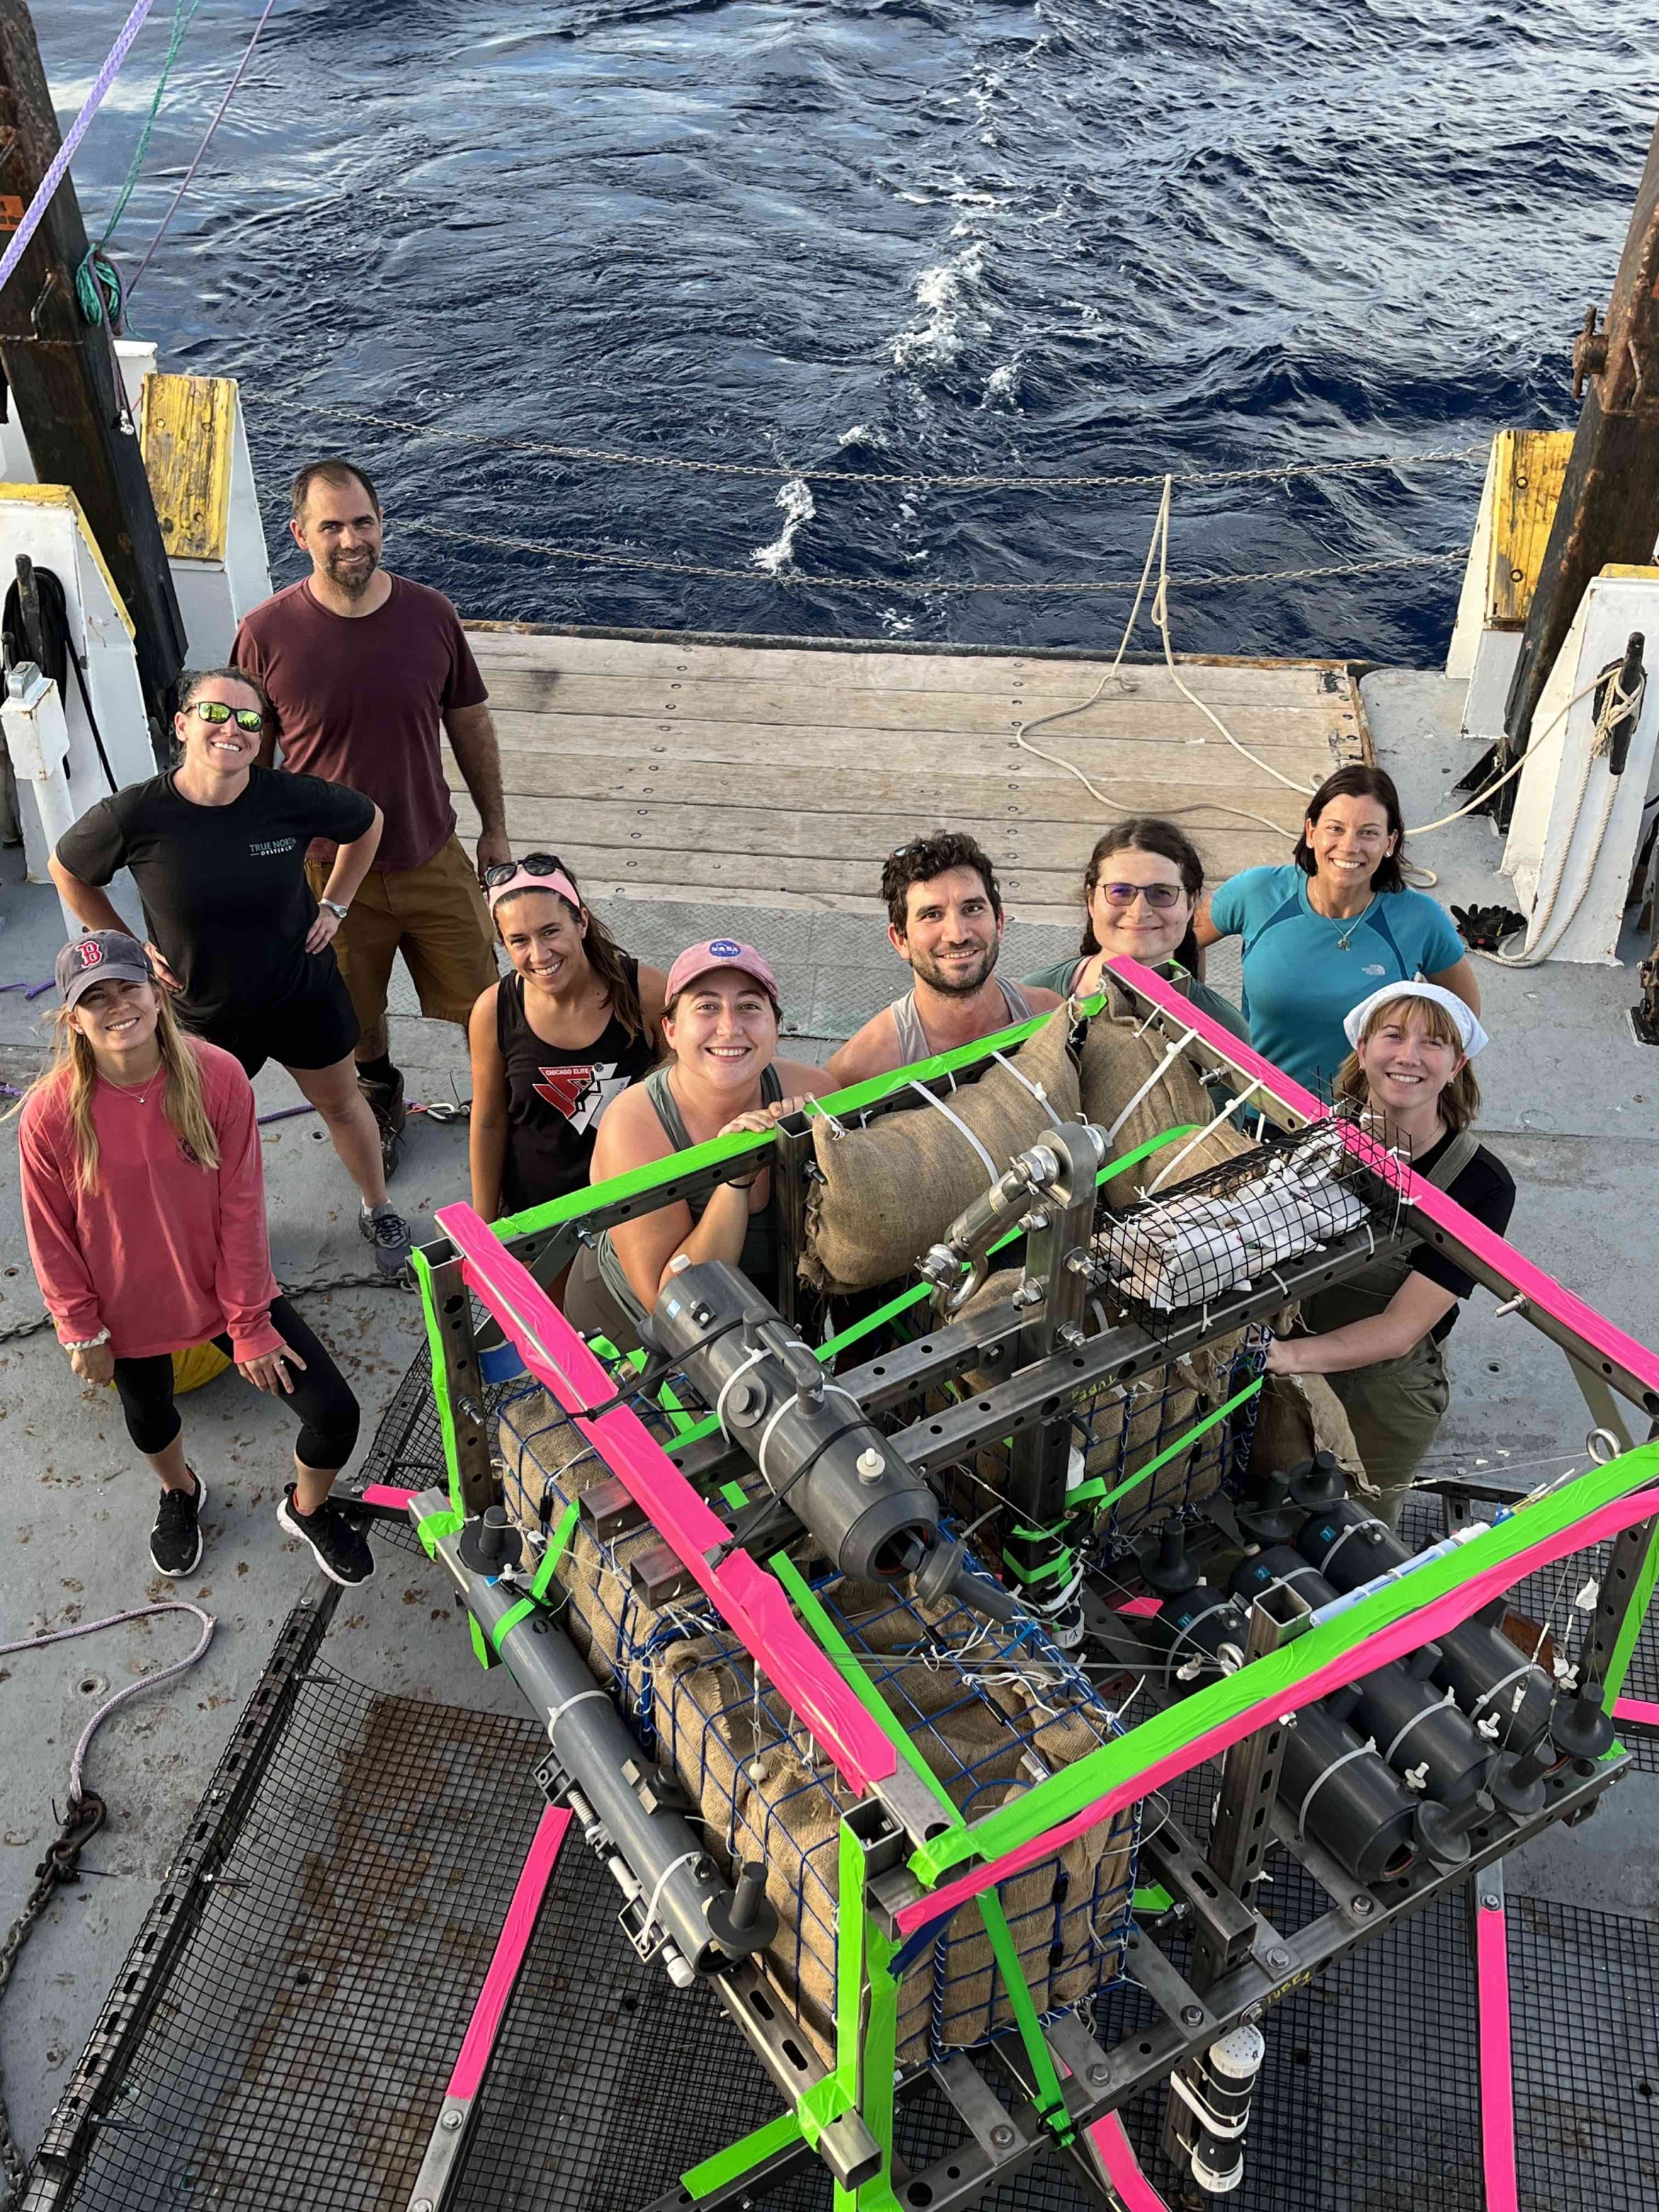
x=780 y=776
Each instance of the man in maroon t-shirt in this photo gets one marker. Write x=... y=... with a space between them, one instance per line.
x=367 y=671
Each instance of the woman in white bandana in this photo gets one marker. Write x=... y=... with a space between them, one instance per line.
x=1379 y=1338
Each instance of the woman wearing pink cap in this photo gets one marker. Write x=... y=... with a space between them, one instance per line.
x=554 y=1043
x=720 y=1023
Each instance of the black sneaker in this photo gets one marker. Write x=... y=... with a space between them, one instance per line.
x=384 y=1228
x=175 y=1541
x=385 y=1103
x=340 y=1546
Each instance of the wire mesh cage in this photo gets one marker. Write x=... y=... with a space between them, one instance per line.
x=1187 y=1243
x=1140 y=1451
x=991 y=1710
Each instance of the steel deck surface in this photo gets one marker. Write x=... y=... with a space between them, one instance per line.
x=298 y=2055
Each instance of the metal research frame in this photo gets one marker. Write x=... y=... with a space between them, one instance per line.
x=909 y=1862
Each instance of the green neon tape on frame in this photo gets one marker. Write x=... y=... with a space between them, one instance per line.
x=1636 y=1613
x=509 y=1620
x=480 y=1650
x=434 y=1527
x=742 y=2157
x=1051 y=2100
x=1181 y=1445
x=1279 y=1673
x=441 y=1397
x=555 y=1551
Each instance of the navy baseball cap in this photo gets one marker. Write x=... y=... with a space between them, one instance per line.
x=104 y=956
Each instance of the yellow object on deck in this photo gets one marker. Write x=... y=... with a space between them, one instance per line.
x=1530 y=466
x=187 y=428
x=197 y=1365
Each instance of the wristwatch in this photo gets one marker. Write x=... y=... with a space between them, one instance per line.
x=335 y=908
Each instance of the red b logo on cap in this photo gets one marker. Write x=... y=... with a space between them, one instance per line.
x=89 y=952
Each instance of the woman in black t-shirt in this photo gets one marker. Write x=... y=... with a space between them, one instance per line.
x=217 y=849
x=554 y=1043
x=1379 y=1336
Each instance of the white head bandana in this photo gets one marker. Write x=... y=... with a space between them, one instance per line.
x=1468 y=1028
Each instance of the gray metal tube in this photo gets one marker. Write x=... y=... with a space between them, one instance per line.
x=678 y=1881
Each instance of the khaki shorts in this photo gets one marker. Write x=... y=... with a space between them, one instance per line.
x=435 y=916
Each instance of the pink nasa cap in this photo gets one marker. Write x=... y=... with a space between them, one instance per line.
x=698 y=960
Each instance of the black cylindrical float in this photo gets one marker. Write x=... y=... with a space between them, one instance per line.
x=1415 y=1729
x=1489 y=1676
x=1339 y=1791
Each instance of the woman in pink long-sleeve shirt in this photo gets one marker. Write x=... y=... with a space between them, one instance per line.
x=143 y=1197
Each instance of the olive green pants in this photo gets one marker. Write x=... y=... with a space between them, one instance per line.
x=1394 y=1409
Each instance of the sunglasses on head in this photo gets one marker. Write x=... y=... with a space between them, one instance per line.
x=245 y=718
x=533 y=864
x=1161 y=896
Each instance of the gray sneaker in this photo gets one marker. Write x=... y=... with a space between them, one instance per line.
x=384 y=1228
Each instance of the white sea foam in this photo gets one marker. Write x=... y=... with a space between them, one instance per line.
x=939 y=291
x=1002 y=385
x=796 y=500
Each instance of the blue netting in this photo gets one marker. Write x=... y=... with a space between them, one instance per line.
x=990 y=1710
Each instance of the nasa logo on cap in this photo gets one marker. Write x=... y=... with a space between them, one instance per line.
x=723 y=949
x=89 y=952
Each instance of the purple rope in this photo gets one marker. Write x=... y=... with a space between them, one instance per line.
x=77 y=131
x=230 y=94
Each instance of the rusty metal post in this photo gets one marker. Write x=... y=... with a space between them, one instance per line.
x=1609 y=504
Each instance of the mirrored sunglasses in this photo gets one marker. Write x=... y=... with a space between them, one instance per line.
x=216 y=711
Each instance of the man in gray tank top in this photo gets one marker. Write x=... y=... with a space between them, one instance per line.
x=945 y=921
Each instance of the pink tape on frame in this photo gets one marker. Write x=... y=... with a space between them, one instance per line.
x=511 y=1944
x=1122 y=2167
x=1491 y=1967
x=1539 y=1290
x=1392 y=1643
x=388 y=1493
x=749 y=1600
x=1642 y=1711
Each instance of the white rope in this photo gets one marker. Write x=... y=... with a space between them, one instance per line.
x=1157 y=547
x=133 y=1689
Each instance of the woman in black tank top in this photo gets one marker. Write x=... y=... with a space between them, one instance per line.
x=554 y=1043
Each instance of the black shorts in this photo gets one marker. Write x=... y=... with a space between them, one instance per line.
x=313 y=1030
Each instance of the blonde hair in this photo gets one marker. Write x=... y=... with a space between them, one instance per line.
x=1460 y=1102
x=73 y=1066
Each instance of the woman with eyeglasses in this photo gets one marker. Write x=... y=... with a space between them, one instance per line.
x=1143 y=883
x=216 y=846
x=1332 y=925
x=554 y=1043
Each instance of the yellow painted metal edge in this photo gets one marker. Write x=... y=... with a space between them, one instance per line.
x=1531 y=467
x=186 y=431
x=36 y=494
x=1626 y=568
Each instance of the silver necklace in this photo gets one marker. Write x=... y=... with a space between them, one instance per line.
x=1344 y=937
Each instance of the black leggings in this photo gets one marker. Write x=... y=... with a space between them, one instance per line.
x=321 y=1396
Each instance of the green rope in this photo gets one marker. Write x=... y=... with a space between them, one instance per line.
x=98 y=284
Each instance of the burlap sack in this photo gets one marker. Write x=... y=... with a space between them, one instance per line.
x=1155 y=1409
x=546 y=1461
x=1299 y=1415
x=765 y=1794
x=1117 y=1062
x=894 y=1188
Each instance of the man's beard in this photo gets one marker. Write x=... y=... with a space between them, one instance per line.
x=953 y=983
x=350 y=573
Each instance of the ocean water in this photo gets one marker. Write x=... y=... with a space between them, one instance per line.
x=1021 y=238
